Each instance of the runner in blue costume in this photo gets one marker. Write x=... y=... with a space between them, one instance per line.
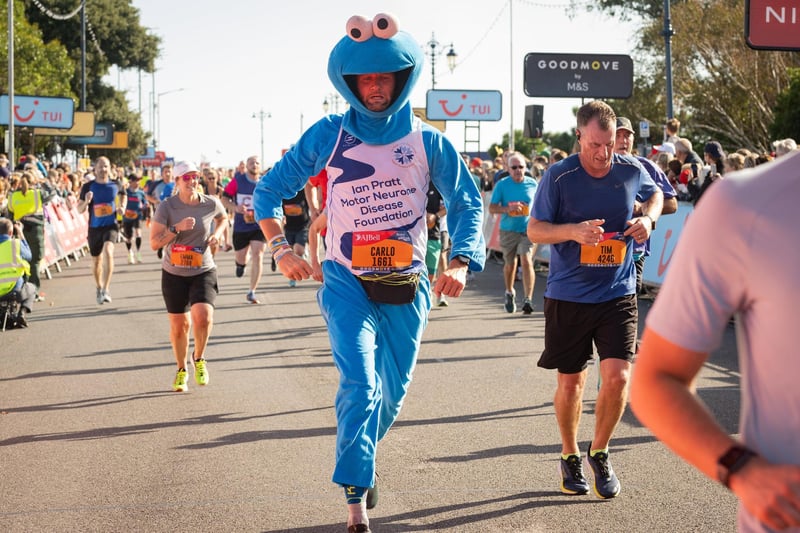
x=375 y=296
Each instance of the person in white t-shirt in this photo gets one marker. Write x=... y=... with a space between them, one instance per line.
x=737 y=256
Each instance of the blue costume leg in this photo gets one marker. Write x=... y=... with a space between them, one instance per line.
x=400 y=329
x=356 y=327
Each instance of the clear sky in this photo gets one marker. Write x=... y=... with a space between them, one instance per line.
x=223 y=62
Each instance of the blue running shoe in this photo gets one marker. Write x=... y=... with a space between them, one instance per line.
x=510 y=305
x=606 y=484
x=239 y=270
x=572 y=480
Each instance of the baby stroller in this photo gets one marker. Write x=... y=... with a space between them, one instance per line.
x=9 y=310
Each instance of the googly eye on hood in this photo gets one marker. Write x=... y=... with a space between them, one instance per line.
x=375 y=46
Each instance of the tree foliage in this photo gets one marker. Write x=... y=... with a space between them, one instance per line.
x=38 y=67
x=53 y=66
x=787 y=110
x=722 y=89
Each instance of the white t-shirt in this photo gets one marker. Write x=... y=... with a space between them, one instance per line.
x=376 y=204
x=739 y=253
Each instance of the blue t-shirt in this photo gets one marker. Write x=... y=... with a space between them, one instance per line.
x=506 y=191
x=568 y=195
x=134 y=208
x=166 y=191
x=240 y=190
x=102 y=208
x=666 y=187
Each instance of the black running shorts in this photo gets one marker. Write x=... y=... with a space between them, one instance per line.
x=181 y=292
x=571 y=329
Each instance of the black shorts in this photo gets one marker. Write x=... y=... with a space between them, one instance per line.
x=570 y=328
x=181 y=292
x=242 y=239
x=299 y=236
x=128 y=225
x=98 y=236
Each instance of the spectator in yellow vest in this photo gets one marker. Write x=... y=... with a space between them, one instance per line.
x=14 y=266
x=27 y=205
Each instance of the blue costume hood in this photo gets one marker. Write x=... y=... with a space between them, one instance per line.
x=376 y=46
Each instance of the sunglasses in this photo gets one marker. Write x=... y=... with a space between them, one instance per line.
x=516 y=167
x=189 y=177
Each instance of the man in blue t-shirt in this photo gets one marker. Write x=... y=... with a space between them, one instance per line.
x=99 y=196
x=512 y=199
x=584 y=209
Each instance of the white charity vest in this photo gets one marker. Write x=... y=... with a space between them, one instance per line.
x=376 y=204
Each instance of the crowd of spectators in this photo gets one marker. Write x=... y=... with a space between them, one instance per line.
x=689 y=172
x=60 y=183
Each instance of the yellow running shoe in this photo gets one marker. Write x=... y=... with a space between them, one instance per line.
x=200 y=372
x=180 y=384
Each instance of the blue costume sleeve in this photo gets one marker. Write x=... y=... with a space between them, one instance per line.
x=461 y=197
x=305 y=159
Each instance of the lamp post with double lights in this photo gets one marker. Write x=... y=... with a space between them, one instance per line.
x=158 y=113
x=435 y=50
x=261 y=115
x=331 y=102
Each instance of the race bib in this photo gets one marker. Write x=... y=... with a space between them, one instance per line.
x=382 y=250
x=249 y=216
x=609 y=253
x=103 y=210
x=293 y=210
x=131 y=214
x=183 y=256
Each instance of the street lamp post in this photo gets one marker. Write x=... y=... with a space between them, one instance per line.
x=261 y=115
x=158 y=113
x=331 y=102
x=435 y=51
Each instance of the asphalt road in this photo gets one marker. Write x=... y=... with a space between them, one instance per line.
x=93 y=439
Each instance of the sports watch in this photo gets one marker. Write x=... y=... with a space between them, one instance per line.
x=731 y=462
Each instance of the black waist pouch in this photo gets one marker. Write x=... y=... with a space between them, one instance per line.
x=396 y=289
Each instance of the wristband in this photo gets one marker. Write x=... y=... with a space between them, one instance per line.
x=277 y=242
x=282 y=251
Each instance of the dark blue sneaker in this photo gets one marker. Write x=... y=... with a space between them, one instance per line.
x=527 y=307
x=510 y=305
x=572 y=480
x=239 y=270
x=606 y=484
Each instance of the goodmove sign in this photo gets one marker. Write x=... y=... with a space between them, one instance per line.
x=578 y=75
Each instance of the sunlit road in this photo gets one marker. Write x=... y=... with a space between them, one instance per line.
x=93 y=439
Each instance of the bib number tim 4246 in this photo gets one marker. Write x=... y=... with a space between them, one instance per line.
x=609 y=253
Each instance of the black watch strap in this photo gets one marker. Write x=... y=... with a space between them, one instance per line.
x=732 y=461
